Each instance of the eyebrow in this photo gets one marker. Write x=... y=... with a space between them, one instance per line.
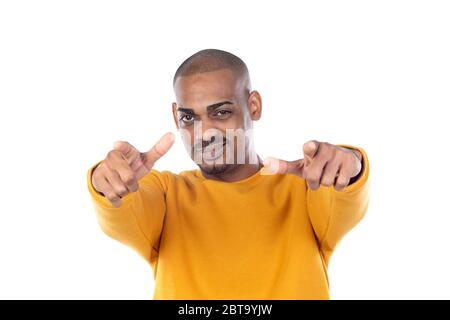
x=209 y=108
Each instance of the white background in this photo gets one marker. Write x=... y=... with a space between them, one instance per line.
x=77 y=75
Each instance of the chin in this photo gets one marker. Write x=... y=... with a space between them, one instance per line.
x=214 y=169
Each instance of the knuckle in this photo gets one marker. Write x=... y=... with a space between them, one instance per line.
x=348 y=155
x=329 y=153
x=340 y=156
x=333 y=150
x=338 y=150
x=112 y=154
x=129 y=178
x=98 y=172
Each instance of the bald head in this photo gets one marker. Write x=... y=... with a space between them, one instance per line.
x=209 y=60
x=213 y=93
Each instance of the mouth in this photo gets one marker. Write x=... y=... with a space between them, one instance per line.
x=213 y=152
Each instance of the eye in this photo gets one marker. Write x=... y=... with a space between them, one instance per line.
x=222 y=113
x=187 y=118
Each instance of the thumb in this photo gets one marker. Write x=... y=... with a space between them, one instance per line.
x=157 y=151
x=274 y=166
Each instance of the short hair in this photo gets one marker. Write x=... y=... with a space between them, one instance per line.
x=208 y=60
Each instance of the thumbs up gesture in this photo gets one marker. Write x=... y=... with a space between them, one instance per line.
x=323 y=164
x=124 y=166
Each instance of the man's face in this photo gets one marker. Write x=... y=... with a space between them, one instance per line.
x=213 y=117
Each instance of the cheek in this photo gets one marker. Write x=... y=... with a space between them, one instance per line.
x=246 y=120
x=236 y=121
x=232 y=124
x=187 y=137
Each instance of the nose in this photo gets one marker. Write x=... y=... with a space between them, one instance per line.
x=208 y=141
x=210 y=133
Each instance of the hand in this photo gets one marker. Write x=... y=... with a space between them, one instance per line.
x=118 y=174
x=323 y=164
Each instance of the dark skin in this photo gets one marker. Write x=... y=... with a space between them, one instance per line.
x=221 y=101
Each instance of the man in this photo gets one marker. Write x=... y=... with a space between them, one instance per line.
x=237 y=228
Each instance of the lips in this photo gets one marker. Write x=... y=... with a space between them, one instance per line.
x=213 y=151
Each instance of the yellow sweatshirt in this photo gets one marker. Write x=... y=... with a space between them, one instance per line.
x=264 y=237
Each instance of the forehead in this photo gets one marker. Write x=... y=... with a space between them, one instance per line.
x=206 y=88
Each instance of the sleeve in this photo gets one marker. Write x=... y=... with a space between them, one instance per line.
x=138 y=222
x=334 y=213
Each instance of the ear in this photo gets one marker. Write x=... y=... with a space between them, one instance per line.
x=174 y=113
x=254 y=103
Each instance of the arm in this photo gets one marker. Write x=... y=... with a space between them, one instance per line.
x=129 y=196
x=334 y=213
x=337 y=188
x=138 y=222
